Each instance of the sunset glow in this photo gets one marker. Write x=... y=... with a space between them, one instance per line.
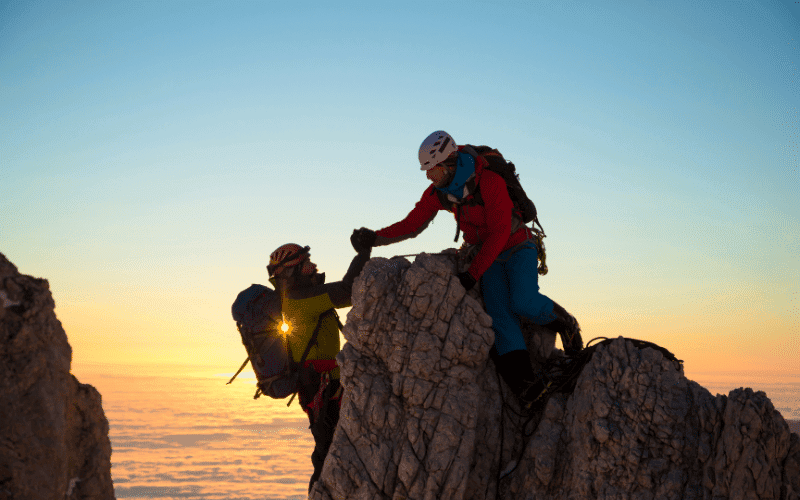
x=153 y=155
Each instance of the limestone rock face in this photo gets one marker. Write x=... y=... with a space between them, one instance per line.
x=425 y=415
x=53 y=433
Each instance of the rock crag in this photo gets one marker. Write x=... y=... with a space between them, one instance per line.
x=426 y=417
x=53 y=432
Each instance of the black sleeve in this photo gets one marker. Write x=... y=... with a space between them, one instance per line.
x=341 y=291
x=338 y=291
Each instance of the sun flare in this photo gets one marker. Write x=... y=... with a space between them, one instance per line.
x=285 y=327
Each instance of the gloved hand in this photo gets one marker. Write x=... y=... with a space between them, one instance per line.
x=362 y=239
x=466 y=279
x=355 y=240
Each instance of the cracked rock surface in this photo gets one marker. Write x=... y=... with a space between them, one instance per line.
x=53 y=432
x=425 y=415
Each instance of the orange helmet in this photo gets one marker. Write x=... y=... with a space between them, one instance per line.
x=288 y=255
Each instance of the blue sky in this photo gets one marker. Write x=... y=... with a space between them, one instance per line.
x=153 y=154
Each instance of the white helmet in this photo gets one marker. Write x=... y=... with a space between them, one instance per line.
x=435 y=148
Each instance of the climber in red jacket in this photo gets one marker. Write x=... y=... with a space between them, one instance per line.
x=506 y=262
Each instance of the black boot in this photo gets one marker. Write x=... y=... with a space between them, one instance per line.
x=516 y=370
x=568 y=329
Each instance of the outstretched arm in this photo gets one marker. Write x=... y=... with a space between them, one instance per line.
x=415 y=222
x=340 y=292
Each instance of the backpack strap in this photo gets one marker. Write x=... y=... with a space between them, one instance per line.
x=476 y=192
x=469 y=150
x=313 y=339
x=458 y=224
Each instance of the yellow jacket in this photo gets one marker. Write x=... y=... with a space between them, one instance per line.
x=302 y=307
x=303 y=315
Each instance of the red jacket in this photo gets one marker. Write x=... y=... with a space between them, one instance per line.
x=488 y=224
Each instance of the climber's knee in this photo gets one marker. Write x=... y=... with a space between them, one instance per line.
x=537 y=308
x=505 y=343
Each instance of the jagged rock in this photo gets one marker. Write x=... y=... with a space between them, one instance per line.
x=426 y=417
x=54 y=435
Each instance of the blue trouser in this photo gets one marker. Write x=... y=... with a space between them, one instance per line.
x=511 y=289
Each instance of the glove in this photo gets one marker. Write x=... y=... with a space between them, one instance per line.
x=362 y=239
x=466 y=279
x=355 y=240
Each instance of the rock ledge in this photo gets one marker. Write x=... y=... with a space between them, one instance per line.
x=426 y=417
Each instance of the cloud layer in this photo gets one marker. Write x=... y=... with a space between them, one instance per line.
x=190 y=436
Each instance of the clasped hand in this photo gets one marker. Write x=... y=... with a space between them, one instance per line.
x=362 y=239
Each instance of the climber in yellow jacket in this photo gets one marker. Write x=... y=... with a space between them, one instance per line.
x=312 y=327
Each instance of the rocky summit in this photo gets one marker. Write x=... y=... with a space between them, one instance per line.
x=53 y=433
x=426 y=417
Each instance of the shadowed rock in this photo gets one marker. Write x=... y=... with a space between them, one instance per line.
x=425 y=416
x=53 y=432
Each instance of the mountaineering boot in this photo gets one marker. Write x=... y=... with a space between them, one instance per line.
x=516 y=370
x=568 y=329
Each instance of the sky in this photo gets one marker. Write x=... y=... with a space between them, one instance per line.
x=153 y=154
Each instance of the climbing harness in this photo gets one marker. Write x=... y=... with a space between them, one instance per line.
x=538 y=237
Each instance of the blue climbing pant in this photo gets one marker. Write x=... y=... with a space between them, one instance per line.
x=510 y=289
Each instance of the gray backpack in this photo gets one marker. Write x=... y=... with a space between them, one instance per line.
x=257 y=312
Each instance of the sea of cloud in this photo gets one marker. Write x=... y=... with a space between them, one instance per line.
x=193 y=437
x=782 y=388
x=187 y=435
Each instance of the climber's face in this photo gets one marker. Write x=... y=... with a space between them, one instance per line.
x=441 y=173
x=437 y=175
x=308 y=268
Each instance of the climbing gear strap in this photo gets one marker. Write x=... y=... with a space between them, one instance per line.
x=572 y=366
x=313 y=340
x=538 y=238
x=317 y=402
